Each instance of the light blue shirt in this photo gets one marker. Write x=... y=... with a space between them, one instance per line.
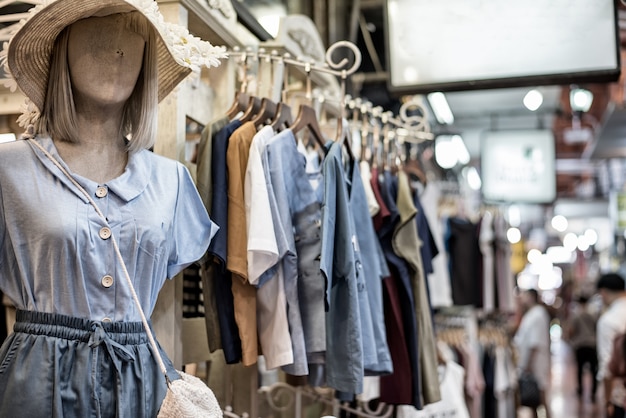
x=344 y=347
x=54 y=255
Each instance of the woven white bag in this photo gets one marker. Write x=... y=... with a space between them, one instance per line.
x=189 y=397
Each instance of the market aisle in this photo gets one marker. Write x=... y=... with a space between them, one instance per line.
x=564 y=402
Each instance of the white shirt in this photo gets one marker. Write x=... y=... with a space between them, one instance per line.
x=611 y=323
x=262 y=247
x=452 y=403
x=534 y=332
x=439 y=279
x=273 y=327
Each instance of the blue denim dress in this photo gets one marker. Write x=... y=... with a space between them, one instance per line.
x=78 y=349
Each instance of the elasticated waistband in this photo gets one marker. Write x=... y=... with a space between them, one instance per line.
x=80 y=329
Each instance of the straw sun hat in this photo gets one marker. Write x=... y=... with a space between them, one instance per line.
x=26 y=57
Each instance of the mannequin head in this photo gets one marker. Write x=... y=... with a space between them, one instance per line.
x=104 y=62
x=35 y=60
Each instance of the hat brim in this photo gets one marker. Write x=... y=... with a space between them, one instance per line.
x=30 y=48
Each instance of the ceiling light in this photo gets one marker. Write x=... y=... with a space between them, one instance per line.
x=450 y=150
x=462 y=154
x=570 y=241
x=591 y=236
x=515 y=215
x=441 y=109
x=559 y=222
x=514 y=235
x=533 y=256
x=473 y=178
x=533 y=100
x=580 y=99
x=444 y=152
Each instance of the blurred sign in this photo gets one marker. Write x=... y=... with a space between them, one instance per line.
x=518 y=166
x=471 y=44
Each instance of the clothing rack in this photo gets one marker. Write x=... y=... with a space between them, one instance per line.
x=404 y=128
x=282 y=397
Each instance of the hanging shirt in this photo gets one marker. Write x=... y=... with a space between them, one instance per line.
x=439 y=280
x=344 y=355
x=272 y=323
x=504 y=275
x=366 y=177
x=262 y=247
x=397 y=388
x=486 y=240
x=293 y=200
x=465 y=261
x=428 y=246
x=406 y=245
x=376 y=357
x=244 y=294
x=452 y=403
x=221 y=276
x=204 y=184
x=153 y=210
x=401 y=273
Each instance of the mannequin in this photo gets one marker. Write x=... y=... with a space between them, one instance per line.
x=96 y=71
x=104 y=60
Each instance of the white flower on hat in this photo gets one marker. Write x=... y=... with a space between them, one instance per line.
x=8 y=82
x=188 y=50
x=25 y=57
x=30 y=115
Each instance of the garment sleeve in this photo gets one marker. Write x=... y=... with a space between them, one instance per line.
x=192 y=229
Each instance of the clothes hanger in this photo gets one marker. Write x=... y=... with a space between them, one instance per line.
x=412 y=166
x=267 y=112
x=283 y=118
x=242 y=99
x=307 y=118
x=343 y=133
x=240 y=104
x=267 y=108
x=254 y=105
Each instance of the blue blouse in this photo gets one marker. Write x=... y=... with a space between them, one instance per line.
x=55 y=253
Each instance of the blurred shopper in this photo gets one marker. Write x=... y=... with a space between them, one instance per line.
x=532 y=341
x=611 y=323
x=581 y=334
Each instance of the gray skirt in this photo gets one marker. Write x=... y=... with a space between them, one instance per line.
x=60 y=366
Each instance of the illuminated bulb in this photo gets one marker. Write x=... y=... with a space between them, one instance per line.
x=591 y=236
x=533 y=256
x=513 y=235
x=533 y=100
x=570 y=241
x=559 y=222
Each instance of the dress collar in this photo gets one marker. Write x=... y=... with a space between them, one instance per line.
x=127 y=186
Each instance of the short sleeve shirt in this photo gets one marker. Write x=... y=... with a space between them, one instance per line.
x=55 y=252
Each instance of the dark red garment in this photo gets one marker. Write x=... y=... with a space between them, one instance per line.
x=396 y=388
x=383 y=213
